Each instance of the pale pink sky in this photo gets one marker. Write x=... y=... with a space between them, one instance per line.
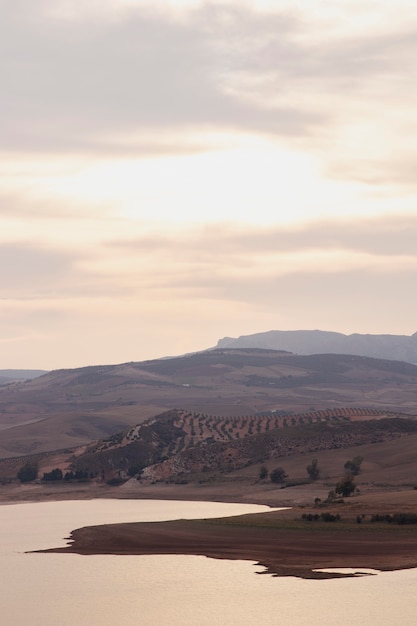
x=174 y=172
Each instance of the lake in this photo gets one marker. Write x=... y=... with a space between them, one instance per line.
x=107 y=590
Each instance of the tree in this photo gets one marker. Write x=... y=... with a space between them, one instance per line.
x=346 y=486
x=263 y=472
x=278 y=475
x=55 y=474
x=313 y=470
x=135 y=470
x=28 y=472
x=354 y=466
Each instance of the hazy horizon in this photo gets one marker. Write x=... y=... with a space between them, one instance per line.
x=180 y=171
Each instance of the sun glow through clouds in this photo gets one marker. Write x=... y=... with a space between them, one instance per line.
x=213 y=168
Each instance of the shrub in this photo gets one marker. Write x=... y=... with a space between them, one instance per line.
x=278 y=475
x=115 y=482
x=263 y=472
x=135 y=470
x=55 y=474
x=313 y=470
x=331 y=496
x=28 y=472
x=346 y=486
x=396 y=518
x=329 y=517
x=353 y=467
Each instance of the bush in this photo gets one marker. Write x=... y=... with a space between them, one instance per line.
x=313 y=470
x=135 y=470
x=263 y=472
x=331 y=496
x=115 y=482
x=329 y=517
x=78 y=475
x=396 y=518
x=278 y=475
x=28 y=472
x=353 y=467
x=346 y=486
x=325 y=517
x=55 y=474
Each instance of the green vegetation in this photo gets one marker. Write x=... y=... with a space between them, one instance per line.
x=55 y=474
x=278 y=475
x=28 y=472
x=396 y=518
x=353 y=467
x=135 y=470
x=325 y=517
x=313 y=470
x=115 y=482
x=263 y=472
x=78 y=475
x=346 y=486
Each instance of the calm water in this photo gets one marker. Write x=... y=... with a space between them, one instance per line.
x=64 y=590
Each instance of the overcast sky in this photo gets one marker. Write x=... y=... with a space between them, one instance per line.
x=173 y=172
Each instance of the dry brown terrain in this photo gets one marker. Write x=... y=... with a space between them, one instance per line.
x=388 y=465
x=67 y=408
x=243 y=409
x=280 y=541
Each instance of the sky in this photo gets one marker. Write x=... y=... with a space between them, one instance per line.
x=173 y=172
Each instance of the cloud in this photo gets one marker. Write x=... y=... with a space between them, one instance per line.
x=73 y=85
x=33 y=272
x=169 y=293
x=340 y=276
x=387 y=236
x=143 y=81
x=206 y=261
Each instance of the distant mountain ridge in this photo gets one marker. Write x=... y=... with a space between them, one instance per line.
x=10 y=376
x=393 y=347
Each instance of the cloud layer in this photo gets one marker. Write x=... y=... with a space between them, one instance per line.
x=141 y=81
x=176 y=172
x=155 y=295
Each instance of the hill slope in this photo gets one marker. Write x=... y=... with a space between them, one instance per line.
x=66 y=408
x=177 y=444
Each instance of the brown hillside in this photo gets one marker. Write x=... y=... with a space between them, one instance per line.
x=67 y=408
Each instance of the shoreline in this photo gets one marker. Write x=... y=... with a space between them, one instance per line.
x=282 y=551
x=283 y=545
x=280 y=541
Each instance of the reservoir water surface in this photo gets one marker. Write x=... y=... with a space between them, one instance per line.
x=107 y=590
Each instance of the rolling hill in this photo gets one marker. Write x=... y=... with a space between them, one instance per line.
x=69 y=408
x=180 y=447
x=179 y=443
